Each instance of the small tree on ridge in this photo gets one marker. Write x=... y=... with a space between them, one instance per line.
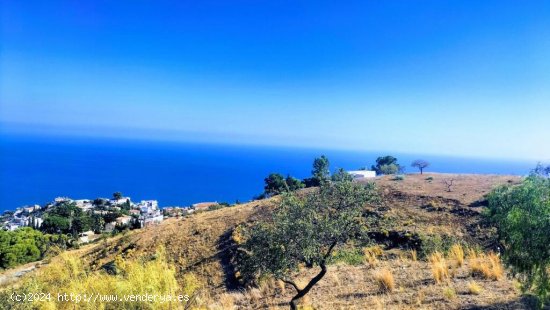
x=420 y=164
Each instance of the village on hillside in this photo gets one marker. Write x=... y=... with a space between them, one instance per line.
x=134 y=214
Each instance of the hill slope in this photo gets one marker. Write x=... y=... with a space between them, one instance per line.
x=418 y=209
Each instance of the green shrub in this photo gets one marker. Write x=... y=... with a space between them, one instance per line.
x=352 y=257
x=522 y=216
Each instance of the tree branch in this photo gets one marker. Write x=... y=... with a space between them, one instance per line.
x=291 y=283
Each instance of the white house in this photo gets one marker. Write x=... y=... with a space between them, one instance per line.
x=148 y=206
x=84 y=204
x=362 y=174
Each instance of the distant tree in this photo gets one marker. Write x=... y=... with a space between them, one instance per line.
x=541 y=170
x=275 y=184
x=341 y=175
x=305 y=232
x=420 y=164
x=321 y=169
x=112 y=216
x=99 y=202
x=386 y=165
x=449 y=184
x=97 y=223
x=81 y=224
x=389 y=169
x=55 y=224
x=293 y=184
x=311 y=182
x=117 y=195
x=521 y=214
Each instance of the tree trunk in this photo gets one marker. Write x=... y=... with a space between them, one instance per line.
x=301 y=293
x=420 y=170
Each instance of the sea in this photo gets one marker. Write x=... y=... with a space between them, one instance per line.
x=37 y=169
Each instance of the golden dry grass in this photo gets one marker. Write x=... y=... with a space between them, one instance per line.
x=440 y=270
x=487 y=266
x=474 y=288
x=385 y=281
x=371 y=254
x=456 y=253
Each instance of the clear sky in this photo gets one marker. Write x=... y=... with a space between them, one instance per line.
x=442 y=77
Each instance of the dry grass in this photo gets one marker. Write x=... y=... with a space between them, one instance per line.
x=487 y=266
x=385 y=281
x=371 y=254
x=414 y=255
x=474 y=288
x=449 y=293
x=457 y=253
x=193 y=245
x=440 y=270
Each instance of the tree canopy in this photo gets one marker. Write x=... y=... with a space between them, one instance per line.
x=522 y=216
x=305 y=231
x=276 y=184
x=420 y=164
x=321 y=168
x=26 y=245
x=386 y=165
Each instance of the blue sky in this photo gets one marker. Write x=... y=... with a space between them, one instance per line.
x=467 y=78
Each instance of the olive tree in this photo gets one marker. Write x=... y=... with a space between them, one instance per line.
x=522 y=216
x=304 y=231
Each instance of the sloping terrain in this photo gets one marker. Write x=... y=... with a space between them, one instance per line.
x=412 y=210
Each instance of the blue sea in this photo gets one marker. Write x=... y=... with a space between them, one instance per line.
x=35 y=170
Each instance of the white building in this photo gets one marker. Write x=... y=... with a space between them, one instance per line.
x=120 y=201
x=84 y=204
x=148 y=206
x=362 y=174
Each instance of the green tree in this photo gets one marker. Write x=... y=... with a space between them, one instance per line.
x=20 y=246
x=305 y=232
x=389 y=169
x=341 y=175
x=98 y=223
x=55 y=224
x=386 y=165
x=117 y=195
x=81 y=224
x=321 y=169
x=275 y=184
x=293 y=184
x=522 y=216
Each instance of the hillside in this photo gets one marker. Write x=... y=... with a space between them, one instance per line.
x=417 y=209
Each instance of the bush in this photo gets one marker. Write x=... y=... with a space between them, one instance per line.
x=352 y=257
x=521 y=215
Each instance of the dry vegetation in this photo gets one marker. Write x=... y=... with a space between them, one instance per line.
x=394 y=274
